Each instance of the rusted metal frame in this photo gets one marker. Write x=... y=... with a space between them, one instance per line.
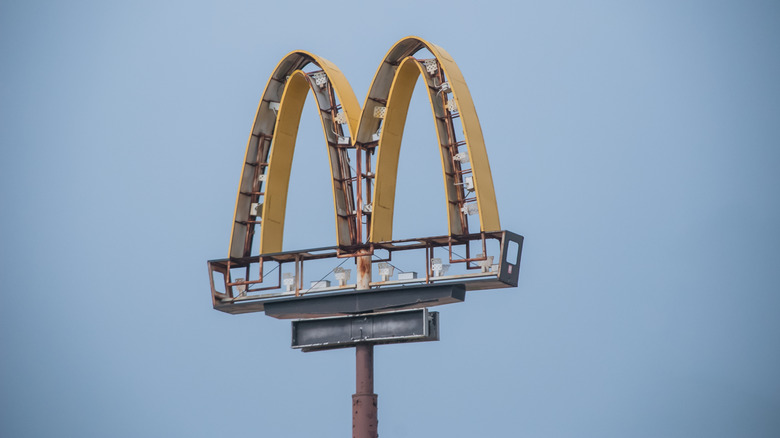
x=468 y=259
x=250 y=282
x=472 y=199
x=353 y=178
x=451 y=145
x=259 y=168
x=359 y=205
x=278 y=282
x=229 y=281
x=343 y=164
x=367 y=179
x=357 y=250
x=345 y=179
x=299 y=258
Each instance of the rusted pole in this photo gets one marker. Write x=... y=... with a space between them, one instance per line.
x=364 y=401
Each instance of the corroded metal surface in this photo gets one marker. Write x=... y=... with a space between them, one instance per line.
x=369 y=138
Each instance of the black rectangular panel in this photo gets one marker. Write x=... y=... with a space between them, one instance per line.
x=379 y=328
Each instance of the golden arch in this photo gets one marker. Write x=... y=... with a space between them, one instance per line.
x=262 y=193
x=394 y=83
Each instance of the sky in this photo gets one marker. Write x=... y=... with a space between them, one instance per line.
x=635 y=145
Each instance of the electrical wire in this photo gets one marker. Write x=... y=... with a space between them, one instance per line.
x=323 y=277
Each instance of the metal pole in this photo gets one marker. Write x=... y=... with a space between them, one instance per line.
x=364 y=401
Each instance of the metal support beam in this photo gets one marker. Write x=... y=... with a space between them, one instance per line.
x=364 y=401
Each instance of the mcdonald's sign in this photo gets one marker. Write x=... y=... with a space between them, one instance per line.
x=363 y=145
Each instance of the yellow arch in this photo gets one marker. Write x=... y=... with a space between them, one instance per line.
x=272 y=141
x=271 y=146
x=394 y=83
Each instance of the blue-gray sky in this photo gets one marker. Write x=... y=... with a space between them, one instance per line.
x=636 y=146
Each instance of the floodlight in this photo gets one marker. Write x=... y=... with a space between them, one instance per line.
x=368 y=208
x=240 y=287
x=463 y=157
x=445 y=86
x=470 y=209
x=288 y=280
x=343 y=140
x=468 y=183
x=385 y=270
x=375 y=136
x=342 y=275
x=438 y=267
x=380 y=111
x=274 y=106
x=256 y=208
x=340 y=118
x=261 y=177
x=452 y=106
x=431 y=65
x=320 y=78
x=485 y=264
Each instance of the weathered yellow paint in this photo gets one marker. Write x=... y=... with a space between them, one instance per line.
x=475 y=142
x=400 y=93
x=278 y=173
x=394 y=82
x=275 y=201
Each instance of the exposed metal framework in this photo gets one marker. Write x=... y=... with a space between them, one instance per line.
x=232 y=295
x=363 y=147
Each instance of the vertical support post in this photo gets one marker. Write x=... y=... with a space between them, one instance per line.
x=364 y=401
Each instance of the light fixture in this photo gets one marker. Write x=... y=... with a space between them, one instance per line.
x=343 y=140
x=385 y=270
x=431 y=65
x=340 y=118
x=380 y=112
x=241 y=287
x=377 y=135
x=468 y=183
x=463 y=157
x=368 y=208
x=288 y=280
x=438 y=267
x=274 y=106
x=342 y=275
x=256 y=208
x=452 y=106
x=445 y=87
x=485 y=264
x=320 y=78
x=261 y=177
x=470 y=209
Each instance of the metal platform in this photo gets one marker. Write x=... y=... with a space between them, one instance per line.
x=235 y=292
x=356 y=302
